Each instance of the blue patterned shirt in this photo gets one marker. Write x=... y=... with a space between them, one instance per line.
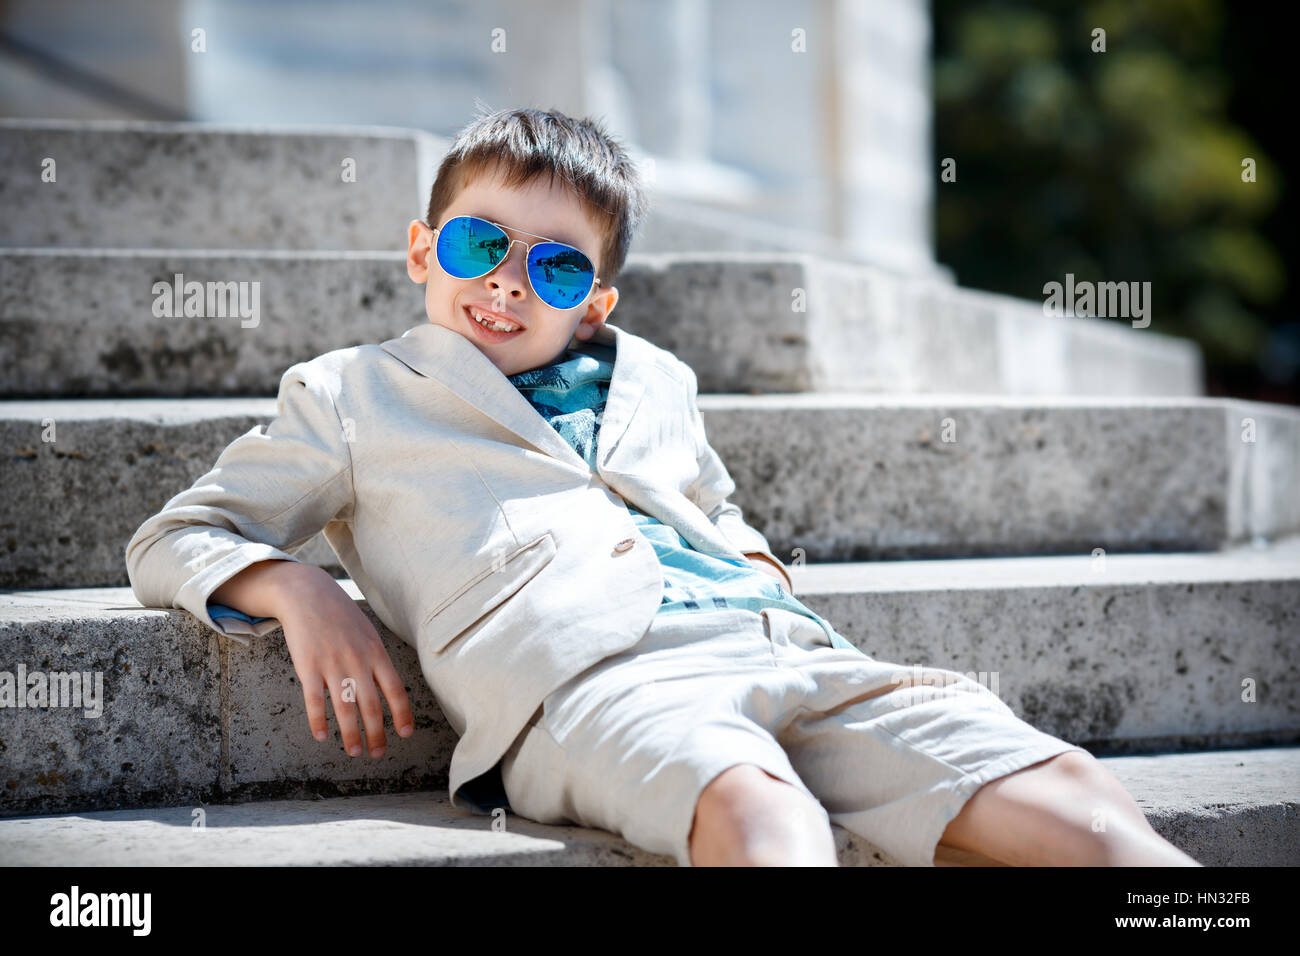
x=570 y=393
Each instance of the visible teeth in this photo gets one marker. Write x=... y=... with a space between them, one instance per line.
x=493 y=324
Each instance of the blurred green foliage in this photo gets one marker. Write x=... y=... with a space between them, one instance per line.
x=1123 y=165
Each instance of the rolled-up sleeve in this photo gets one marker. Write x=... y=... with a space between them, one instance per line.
x=271 y=490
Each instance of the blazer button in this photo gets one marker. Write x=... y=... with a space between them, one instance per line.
x=624 y=545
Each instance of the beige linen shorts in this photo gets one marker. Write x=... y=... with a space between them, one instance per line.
x=629 y=744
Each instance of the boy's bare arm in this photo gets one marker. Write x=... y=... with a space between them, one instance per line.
x=261 y=589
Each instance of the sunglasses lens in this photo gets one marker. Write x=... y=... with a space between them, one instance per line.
x=561 y=275
x=469 y=247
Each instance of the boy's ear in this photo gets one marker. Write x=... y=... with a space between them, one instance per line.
x=605 y=299
x=602 y=304
x=419 y=245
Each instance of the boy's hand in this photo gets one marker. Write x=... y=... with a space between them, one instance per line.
x=334 y=646
x=763 y=563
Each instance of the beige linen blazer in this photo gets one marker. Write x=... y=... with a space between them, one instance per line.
x=473 y=529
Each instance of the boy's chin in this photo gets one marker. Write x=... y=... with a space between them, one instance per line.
x=510 y=365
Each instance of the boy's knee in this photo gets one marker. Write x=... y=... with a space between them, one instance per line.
x=1080 y=772
x=749 y=817
x=1104 y=807
x=1079 y=765
x=1090 y=776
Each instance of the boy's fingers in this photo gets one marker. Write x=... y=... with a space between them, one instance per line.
x=373 y=716
x=343 y=692
x=390 y=684
x=313 y=695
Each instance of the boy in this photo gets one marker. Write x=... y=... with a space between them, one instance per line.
x=526 y=494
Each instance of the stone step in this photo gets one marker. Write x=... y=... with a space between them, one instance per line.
x=158 y=185
x=746 y=322
x=675 y=225
x=1124 y=655
x=1223 y=808
x=826 y=477
x=128 y=184
x=800 y=323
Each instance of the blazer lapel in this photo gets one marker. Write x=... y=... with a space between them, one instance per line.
x=450 y=359
x=632 y=358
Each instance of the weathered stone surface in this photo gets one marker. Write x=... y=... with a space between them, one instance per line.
x=1130 y=654
x=1125 y=653
x=851 y=477
x=126 y=184
x=82 y=323
x=77 y=326
x=1228 y=808
x=186 y=716
x=156 y=736
x=834 y=477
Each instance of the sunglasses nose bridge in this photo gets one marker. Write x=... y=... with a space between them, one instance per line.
x=523 y=266
x=493 y=275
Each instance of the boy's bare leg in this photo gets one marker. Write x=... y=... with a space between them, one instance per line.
x=747 y=817
x=1043 y=815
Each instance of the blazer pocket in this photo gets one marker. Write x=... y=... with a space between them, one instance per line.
x=483 y=592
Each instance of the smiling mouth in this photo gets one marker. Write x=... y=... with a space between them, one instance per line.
x=499 y=326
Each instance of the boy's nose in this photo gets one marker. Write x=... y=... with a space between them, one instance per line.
x=508 y=276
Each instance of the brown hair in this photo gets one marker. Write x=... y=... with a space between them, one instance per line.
x=526 y=143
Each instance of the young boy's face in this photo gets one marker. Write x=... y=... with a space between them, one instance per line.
x=540 y=207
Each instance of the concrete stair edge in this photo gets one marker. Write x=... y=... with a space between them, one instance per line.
x=1026 y=476
x=1129 y=661
x=1224 y=808
x=994 y=343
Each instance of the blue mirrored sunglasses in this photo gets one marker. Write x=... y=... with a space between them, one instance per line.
x=468 y=247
